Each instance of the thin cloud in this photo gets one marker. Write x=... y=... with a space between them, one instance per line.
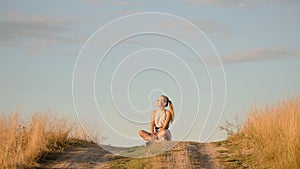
x=207 y=26
x=94 y=2
x=103 y=3
x=237 y=3
x=214 y=27
x=261 y=54
x=24 y=31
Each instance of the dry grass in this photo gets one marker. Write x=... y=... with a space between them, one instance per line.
x=21 y=144
x=269 y=138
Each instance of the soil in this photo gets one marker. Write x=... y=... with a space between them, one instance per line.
x=184 y=154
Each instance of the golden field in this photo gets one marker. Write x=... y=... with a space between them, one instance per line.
x=23 y=143
x=268 y=138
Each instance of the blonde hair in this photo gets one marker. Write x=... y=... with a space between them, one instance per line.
x=169 y=102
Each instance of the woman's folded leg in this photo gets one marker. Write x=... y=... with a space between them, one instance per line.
x=164 y=135
x=146 y=135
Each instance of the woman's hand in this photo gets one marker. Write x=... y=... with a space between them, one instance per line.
x=154 y=135
x=161 y=130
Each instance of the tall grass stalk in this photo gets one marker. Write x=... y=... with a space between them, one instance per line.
x=21 y=143
x=274 y=133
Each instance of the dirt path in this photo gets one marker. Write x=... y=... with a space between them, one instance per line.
x=182 y=155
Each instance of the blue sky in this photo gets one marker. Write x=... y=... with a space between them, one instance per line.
x=257 y=41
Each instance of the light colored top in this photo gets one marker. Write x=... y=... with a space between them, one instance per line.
x=160 y=118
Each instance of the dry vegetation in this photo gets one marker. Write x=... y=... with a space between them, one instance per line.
x=24 y=143
x=269 y=138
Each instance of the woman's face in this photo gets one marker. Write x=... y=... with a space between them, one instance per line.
x=161 y=101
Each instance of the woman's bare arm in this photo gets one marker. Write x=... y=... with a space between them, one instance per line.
x=168 y=118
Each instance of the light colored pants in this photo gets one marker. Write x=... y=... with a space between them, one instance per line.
x=166 y=136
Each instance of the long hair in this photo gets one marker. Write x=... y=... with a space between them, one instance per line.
x=169 y=102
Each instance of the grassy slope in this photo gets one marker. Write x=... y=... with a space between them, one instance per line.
x=23 y=144
x=269 y=138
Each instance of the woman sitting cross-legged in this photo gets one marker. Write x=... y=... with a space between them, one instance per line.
x=160 y=119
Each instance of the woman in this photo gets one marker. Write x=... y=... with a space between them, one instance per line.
x=160 y=120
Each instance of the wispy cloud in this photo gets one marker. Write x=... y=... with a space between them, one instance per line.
x=261 y=54
x=207 y=26
x=214 y=27
x=102 y=3
x=19 y=30
x=237 y=3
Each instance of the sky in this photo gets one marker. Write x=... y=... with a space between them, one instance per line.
x=52 y=58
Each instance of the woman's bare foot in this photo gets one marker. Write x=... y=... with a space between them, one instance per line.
x=152 y=137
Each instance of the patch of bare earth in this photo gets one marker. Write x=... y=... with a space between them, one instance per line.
x=183 y=155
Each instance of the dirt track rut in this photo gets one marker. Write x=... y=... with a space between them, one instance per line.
x=182 y=155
